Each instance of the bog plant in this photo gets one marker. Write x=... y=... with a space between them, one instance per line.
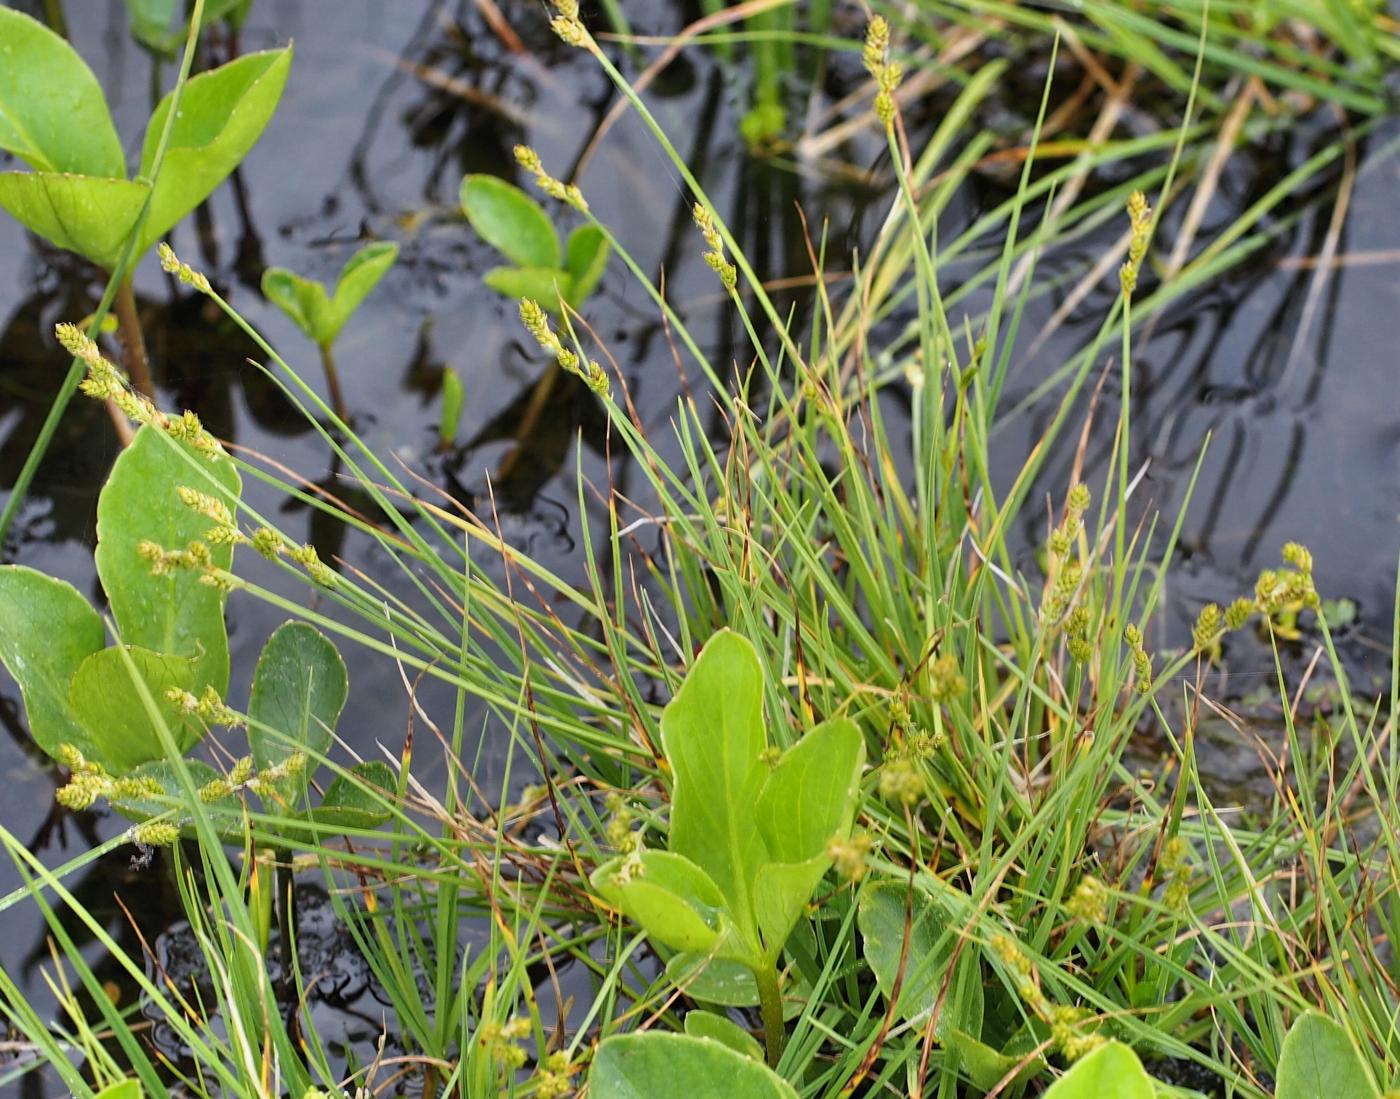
x=320 y=315
x=1025 y=906
x=517 y=226
x=750 y=833
x=54 y=117
x=167 y=529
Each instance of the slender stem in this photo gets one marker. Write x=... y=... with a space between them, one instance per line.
x=286 y=918
x=333 y=381
x=134 y=361
x=53 y=13
x=770 y=1003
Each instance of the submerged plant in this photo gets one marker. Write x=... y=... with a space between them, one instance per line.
x=750 y=832
x=54 y=117
x=321 y=316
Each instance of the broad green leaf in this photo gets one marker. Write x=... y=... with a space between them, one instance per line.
x=545 y=285
x=985 y=1066
x=1112 y=1069
x=453 y=400
x=302 y=299
x=150 y=22
x=174 y=613
x=585 y=259
x=510 y=221
x=713 y=735
x=110 y=706
x=673 y=899
x=881 y=917
x=226 y=813
x=122 y=1089
x=808 y=800
x=810 y=797
x=646 y=1066
x=299 y=689
x=706 y=1024
x=53 y=115
x=222 y=114
x=727 y=982
x=722 y=981
x=1319 y=1061
x=349 y=801
x=358 y=277
x=43 y=661
x=88 y=215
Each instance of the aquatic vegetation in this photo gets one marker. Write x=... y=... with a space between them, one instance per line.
x=1012 y=898
x=78 y=196
x=517 y=226
x=321 y=316
x=750 y=833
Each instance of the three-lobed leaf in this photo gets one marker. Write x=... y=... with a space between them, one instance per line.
x=510 y=221
x=173 y=613
x=1318 y=1061
x=53 y=115
x=222 y=114
x=319 y=315
x=299 y=689
x=644 y=1066
x=1112 y=1069
x=44 y=661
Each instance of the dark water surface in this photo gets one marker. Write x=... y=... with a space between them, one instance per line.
x=390 y=103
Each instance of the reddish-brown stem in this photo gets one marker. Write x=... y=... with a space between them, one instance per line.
x=134 y=360
x=333 y=383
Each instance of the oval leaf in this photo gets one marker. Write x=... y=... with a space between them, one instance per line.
x=545 y=285
x=585 y=259
x=303 y=300
x=299 y=689
x=1112 y=1069
x=222 y=114
x=226 y=813
x=510 y=221
x=110 y=706
x=53 y=115
x=356 y=799
x=174 y=613
x=722 y=981
x=1318 y=1061
x=881 y=919
x=358 y=277
x=87 y=215
x=44 y=661
x=673 y=899
x=644 y=1066
x=706 y=1024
